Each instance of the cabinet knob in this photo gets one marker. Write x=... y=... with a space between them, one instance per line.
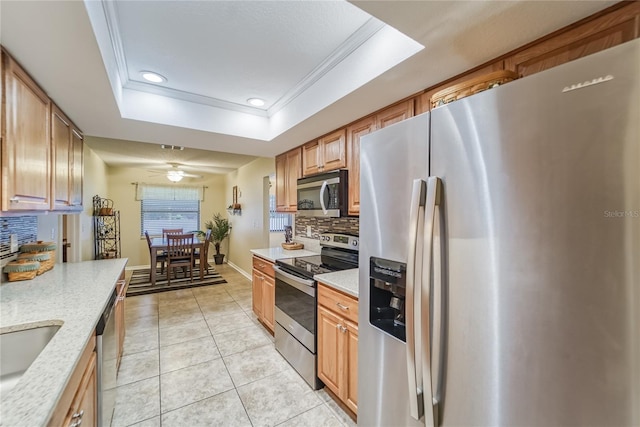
x=14 y=200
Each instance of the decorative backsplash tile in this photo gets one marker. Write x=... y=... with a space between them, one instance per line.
x=24 y=227
x=324 y=225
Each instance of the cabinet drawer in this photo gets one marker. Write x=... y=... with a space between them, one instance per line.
x=263 y=266
x=338 y=302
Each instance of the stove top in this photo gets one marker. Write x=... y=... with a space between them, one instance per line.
x=307 y=266
x=331 y=259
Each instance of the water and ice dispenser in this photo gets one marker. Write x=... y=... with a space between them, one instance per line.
x=387 y=296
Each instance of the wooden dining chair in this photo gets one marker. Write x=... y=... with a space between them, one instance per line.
x=161 y=256
x=205 y=249
x=166 y=231
x=179 y=254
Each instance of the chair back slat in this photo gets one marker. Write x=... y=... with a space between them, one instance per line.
x=179 y=246
x=167 y=231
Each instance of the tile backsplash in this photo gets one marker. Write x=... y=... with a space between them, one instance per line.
x=24 y=227
x=349 y=225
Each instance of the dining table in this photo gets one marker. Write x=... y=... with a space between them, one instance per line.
x=159 y=244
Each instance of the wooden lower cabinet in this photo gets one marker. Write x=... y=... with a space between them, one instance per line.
x=78 y=404
x=264 y=291
x=338 y=345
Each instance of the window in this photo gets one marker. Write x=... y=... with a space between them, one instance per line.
x=168 y=207
x=277 y=220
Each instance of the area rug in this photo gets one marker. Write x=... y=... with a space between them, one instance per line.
x=140 y=285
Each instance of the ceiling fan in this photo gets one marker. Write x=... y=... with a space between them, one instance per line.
x=175 y=173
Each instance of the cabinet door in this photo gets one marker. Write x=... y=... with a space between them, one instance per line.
x=311 y=158
x=395 y=114
x=256 y=296
x=84 y=409
x=596 y=35
x=294 y=171
x=330 y=339
x=351 y=366
x=62 y=152
x=77 y=168
x=268 y=301
x=333 y=148
x=354 y=133
x=423 y=101
x=25 y=141
x=281 y=183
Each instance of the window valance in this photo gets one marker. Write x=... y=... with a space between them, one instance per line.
x=168 y=192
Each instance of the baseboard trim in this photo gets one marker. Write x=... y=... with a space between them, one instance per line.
x=239 y=270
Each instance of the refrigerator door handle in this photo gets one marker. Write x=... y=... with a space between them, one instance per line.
x=416 y=215
x=429 y=380
x=322 y=190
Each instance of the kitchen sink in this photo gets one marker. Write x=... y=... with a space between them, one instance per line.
x=18 y=350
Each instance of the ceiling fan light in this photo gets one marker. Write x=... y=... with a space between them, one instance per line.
x=175 y=176
x=152 y=77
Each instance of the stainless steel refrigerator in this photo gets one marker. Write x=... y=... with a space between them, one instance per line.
x=500 y=255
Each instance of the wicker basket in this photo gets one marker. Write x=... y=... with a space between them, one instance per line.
x=292 y=246
x=471 y=87
x=42 y=257
x=21 y=270
x=42 y=247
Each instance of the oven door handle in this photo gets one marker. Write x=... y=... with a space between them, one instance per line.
x=306 y=286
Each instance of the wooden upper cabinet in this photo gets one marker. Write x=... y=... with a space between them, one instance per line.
x=77 y=168
x=288 y=170
x=311 y=158
x=395 y=114
x=354 y=133
x=62 y=150
x=66 y=142
x=598 y=34
x=423 y=100
x=333 y=148
x=325 y=154
x=281 y=183
x=26 y=141
x=294 y=171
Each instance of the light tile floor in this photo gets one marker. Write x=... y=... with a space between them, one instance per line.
x=199 y=357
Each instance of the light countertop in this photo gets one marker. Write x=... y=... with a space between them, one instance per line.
x=273 y=254
x=344 y=280
x=73 y=295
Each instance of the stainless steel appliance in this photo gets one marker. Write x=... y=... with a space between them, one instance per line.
x=106 y=348
x=323 y=195
x=296 y=300
x=500 y=255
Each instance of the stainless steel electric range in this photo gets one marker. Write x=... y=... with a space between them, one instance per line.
x=296 y=300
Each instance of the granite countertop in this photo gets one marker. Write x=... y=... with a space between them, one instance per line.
x=72 y=295
x=344 y=280
x=273 y=254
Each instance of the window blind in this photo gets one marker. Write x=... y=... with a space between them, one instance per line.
x=164 y=206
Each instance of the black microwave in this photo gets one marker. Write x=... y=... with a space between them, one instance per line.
x=324 y=195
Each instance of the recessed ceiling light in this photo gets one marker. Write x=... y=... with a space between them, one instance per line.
x=256 y=102
x=153 y=77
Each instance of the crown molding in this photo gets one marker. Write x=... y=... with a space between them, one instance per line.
x=357 y=39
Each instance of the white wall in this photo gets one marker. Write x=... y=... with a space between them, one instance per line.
x=94 y=183
x=250 y=231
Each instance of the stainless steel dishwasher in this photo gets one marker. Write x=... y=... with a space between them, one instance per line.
x=107 y=363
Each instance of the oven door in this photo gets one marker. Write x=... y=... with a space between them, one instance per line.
x=296 y=307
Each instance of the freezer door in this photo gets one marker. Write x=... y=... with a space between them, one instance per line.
x=541 y=183
x=391 y=161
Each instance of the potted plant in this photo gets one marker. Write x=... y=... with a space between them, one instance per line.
x=219 y=231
